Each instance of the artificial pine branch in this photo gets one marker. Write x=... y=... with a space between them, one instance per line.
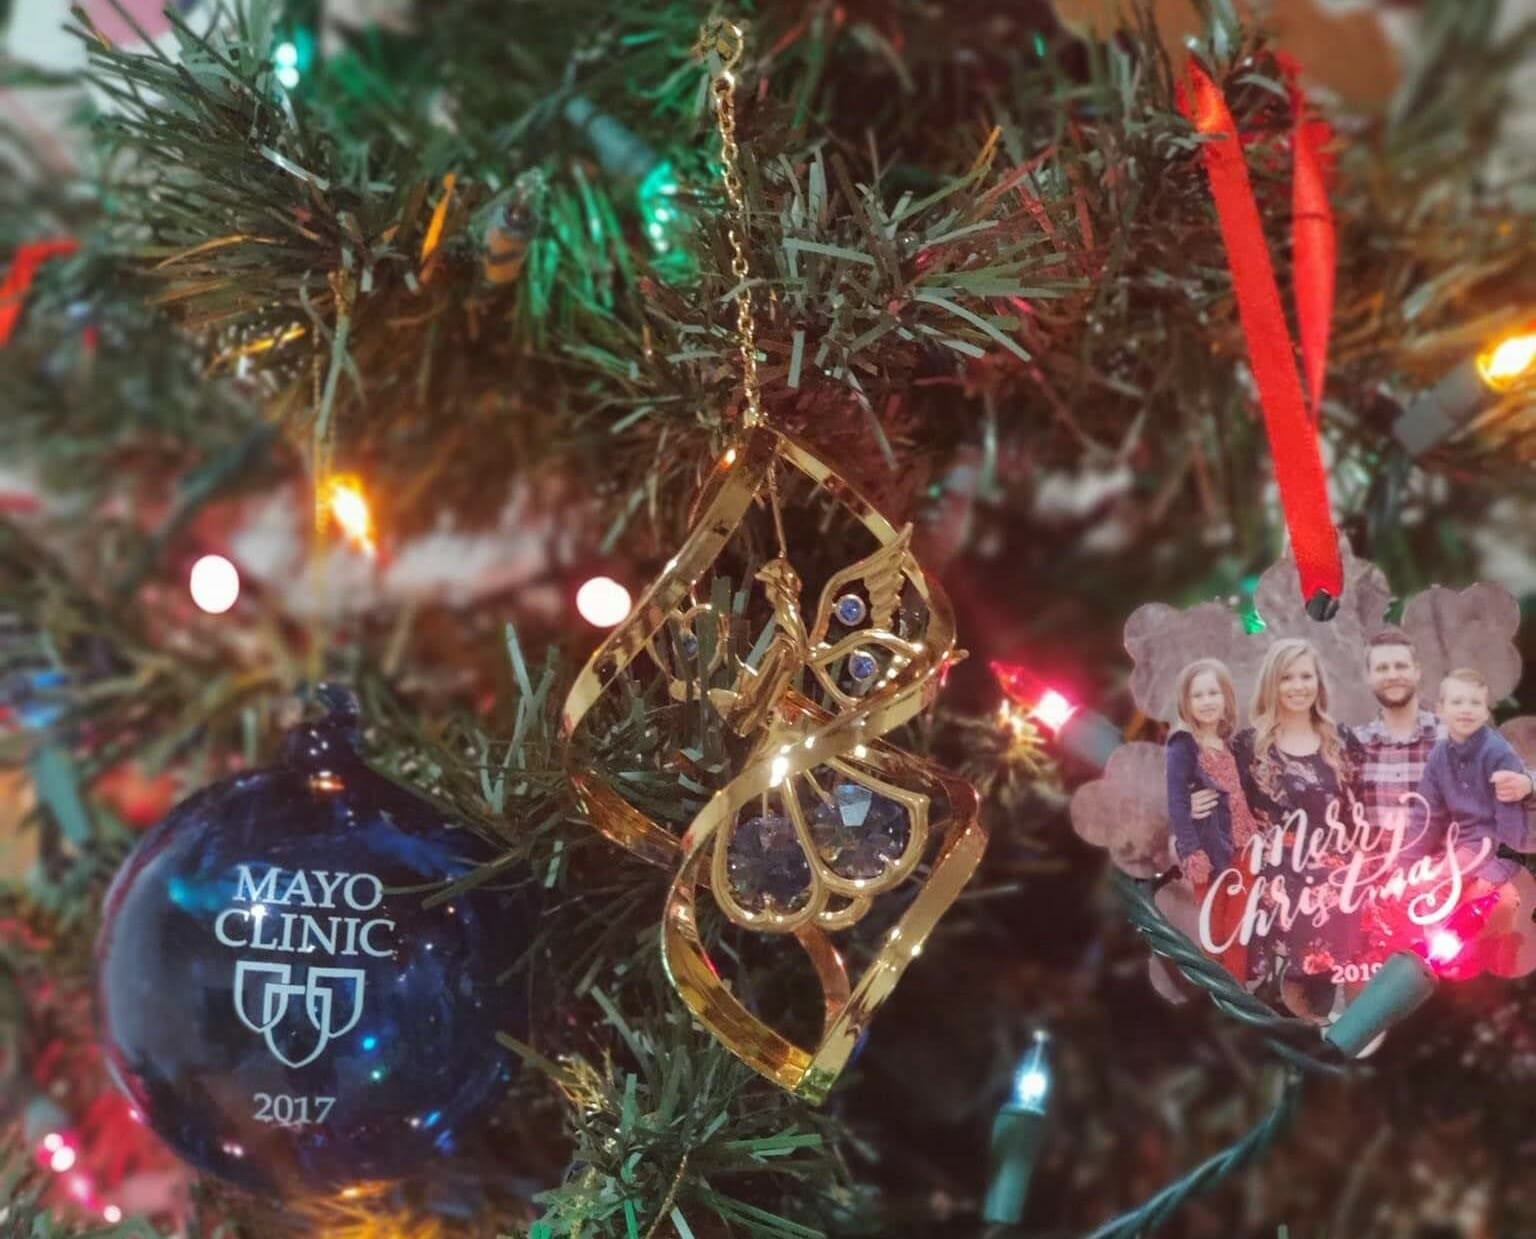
x=965 y=237
x=673 y=1135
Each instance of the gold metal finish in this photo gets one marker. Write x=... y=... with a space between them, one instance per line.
x=811 y=1073
x=720 y=44
x=805 y=725
x=810 y=701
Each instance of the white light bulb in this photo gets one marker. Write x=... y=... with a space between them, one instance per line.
x=1032 y=1080
x=603 y=602
x=215 y=584
x=112 y=1215
x=63 y=1158
x=1032 y=1086
x=1053 y=710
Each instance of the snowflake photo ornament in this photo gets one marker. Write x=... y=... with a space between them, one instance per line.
x=1329 y=794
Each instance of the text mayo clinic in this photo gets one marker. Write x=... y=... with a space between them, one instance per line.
x=261 y=927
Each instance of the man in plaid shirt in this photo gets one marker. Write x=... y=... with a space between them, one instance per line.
x=1395 y=746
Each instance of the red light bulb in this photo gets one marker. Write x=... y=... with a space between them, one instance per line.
x=1053 y=710
x=1444 y=947
x=1449 y=947
x=1016 y=681
x=1043 y=704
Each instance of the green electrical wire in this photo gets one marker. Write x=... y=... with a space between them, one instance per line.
x=1235 y=1001
x=1147 y=1217
x=1225 y=992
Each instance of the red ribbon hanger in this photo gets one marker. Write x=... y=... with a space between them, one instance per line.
x=18 y=279
x=1291 y=426
x=1314 y=244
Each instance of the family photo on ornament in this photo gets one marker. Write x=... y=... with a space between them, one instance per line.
x=1313 y=848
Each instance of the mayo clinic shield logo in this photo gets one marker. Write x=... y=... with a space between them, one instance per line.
x=328 y=1002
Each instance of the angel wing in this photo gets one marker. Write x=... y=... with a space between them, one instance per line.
x=856 y=640
x=875 y=580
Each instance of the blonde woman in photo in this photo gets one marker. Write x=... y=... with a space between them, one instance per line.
x=1200 y=758
x=1295 y=760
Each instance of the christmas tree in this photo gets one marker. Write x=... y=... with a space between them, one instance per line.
x=402 y=349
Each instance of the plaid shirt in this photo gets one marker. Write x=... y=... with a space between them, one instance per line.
x=1391 y=768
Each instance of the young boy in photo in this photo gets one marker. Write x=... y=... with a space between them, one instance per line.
x=1456 y=785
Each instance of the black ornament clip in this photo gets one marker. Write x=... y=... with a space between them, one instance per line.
x=1322 y=606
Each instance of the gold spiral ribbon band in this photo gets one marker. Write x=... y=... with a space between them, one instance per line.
x=810 y=1073
x=814 y=731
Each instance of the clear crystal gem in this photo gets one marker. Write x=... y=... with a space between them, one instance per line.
x=859 y=833
x=862 y=665
x=766 y=865
x=851 y=610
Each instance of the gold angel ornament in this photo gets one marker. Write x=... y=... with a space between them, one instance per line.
x=817 y=817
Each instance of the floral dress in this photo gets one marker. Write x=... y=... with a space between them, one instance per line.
x=1220 y=765
x=1231 y=905
x=1279 y=783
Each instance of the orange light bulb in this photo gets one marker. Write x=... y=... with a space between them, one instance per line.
x=1509 y=361
x=345 y=501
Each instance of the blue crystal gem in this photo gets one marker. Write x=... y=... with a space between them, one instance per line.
x=851 y=610
x=862 y=665
x=766 y=865
x=688 y=645
x=860 y=833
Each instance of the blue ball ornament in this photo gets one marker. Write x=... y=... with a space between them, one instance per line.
x=277 y=998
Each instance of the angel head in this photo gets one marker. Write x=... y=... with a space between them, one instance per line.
x=781 y=583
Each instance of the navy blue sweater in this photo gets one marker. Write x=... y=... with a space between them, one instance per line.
x=1457 y=789
x=1211 y=834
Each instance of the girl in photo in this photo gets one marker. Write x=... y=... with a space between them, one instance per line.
x=1294 y=757
x=1199 y=758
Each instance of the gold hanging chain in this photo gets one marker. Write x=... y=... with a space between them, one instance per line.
x=720 y=44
